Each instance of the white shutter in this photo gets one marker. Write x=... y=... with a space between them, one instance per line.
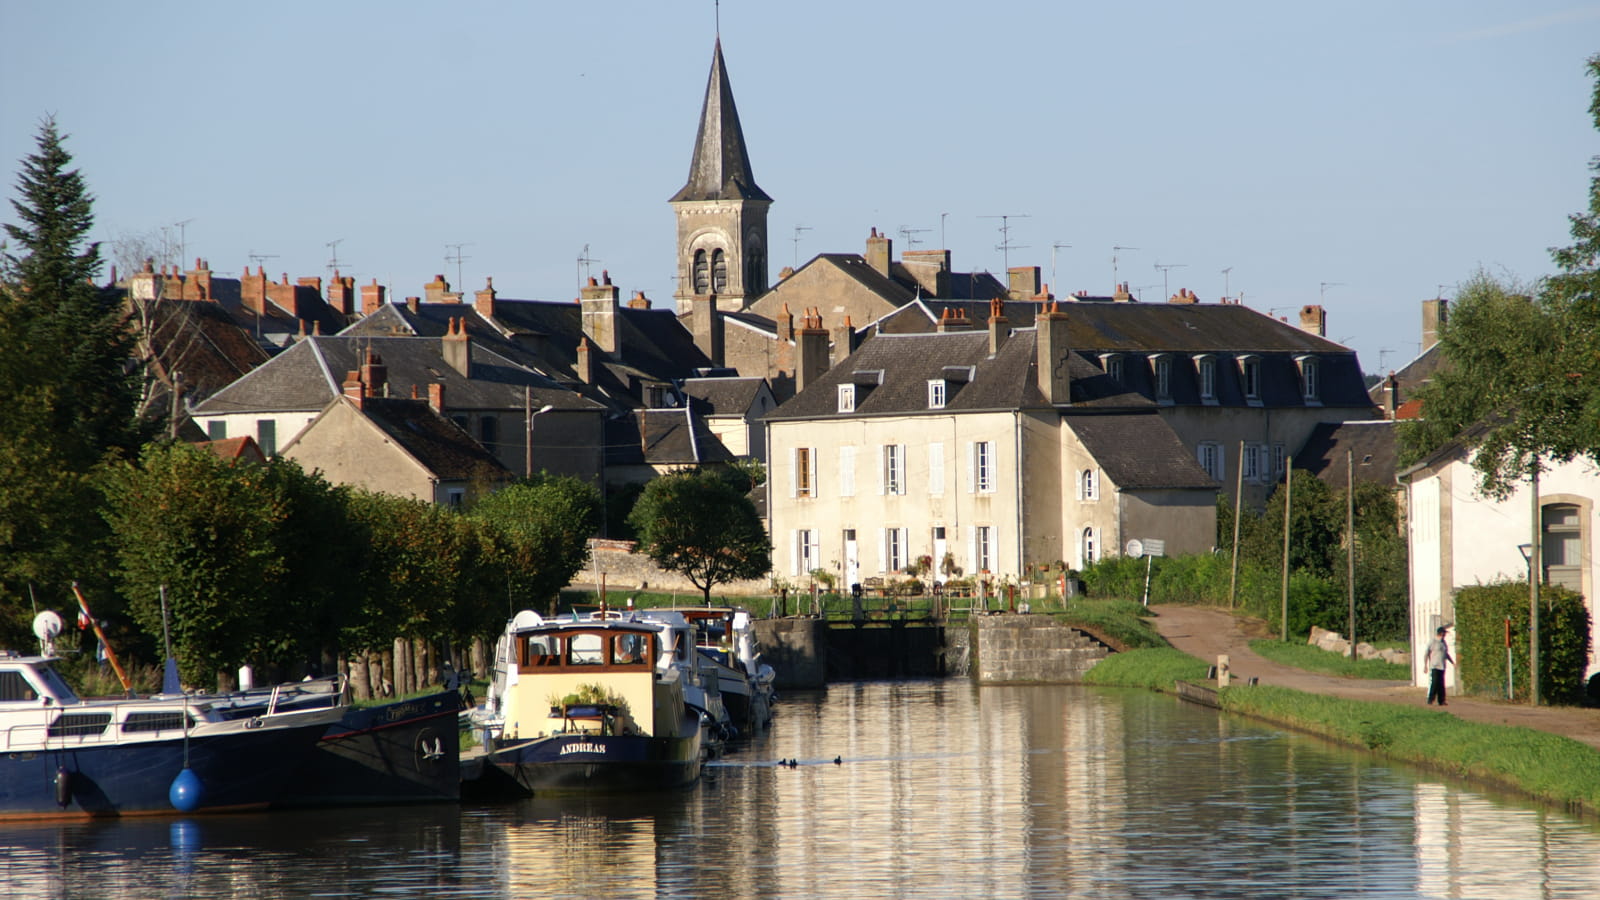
x=847 y=471
x=811 y=460
x=882 y=461
x=972 y=549
x=1077 y=487
x=936 y=468
x=795 y=545
x=883 y=549
x=794 y=472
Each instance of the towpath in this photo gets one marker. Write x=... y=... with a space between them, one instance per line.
x=1206 y=632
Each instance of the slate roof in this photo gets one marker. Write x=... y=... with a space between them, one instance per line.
x=662 y=437
x=310 y=374
x=720 y=168
x=1371 y=446
x=436 y=442
x=200 y=340
x=1139 y=451
x=1411 y=377
x=724 y=396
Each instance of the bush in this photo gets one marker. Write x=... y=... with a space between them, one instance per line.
x=1564 y=639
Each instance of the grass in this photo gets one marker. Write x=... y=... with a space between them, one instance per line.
x=1315 y=659
x=1122 y=623
x=1155 y=668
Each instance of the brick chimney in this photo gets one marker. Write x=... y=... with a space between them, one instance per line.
x=783 y=326
x=638 y=301
x=1314 y=320
x=930 y=269
x=599 y=301
x=1391 y=396
x=585 y=360
x=812 y=341
x=1122 y=294
x=1024 y=282
x=374 y=374
x=1051 y=354
x=438 y=291
x=1184 y=295
x=353 y=389
x=342 y=293
x=999 y=326
x=145 y=285
x=371 y=297
x=198 y=285
x=436 y=397
x=844 y=339
x=707 y=322
x=414 y=304
x=1434 y=314
x=880 y=252
x=483 y=301
x=953 y=320
x=457 y=346
x=253 y=290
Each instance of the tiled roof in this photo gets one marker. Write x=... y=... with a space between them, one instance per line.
x=1139 y=451
x=1370 y=445
x=724 y=396
x=662 y=437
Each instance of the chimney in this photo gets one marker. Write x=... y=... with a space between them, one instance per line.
x=999 y=325
x=844 y=339
x=930 y=269
x=1434 y=314
x=708 y=334
x=880 y=252
x=783 y=361
x=457 y=347
x=784 y=273
x=341 y=293
x=812 y=339
x=353 y=389
x=311 y=281
x=371 y=297
x=1314 y=320
x=253 y=290
x=144 y=285
x=585 y=361
x=599 y=302
x=1184 y=295
x=1052 y=352
x=414 y=304
x=436 y=397
x=638 y=301
x=1024 y=282
x=483 y=301
x=375 y=375
x=953 y=320
x=1391 y=396
x=1122 y=294
x=198 y=285
x=438 y=291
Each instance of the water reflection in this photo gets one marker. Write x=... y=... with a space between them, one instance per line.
x=942 y=790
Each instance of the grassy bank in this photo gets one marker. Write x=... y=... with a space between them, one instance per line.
x=1315 y=659
x=1547 y=767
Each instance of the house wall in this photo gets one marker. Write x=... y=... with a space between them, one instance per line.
x=1185 y=520
x=1098 y=513
x=1226 y=426
x=347 y=449
x=287 y=426
x=822 y=285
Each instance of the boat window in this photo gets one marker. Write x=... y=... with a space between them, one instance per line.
x=53 y=686
x=79 y=724
x=630 y=651
x=14 y=687
x=586 y=650
x=153 y=721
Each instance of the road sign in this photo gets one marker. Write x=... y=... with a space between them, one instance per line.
x=1135 y=547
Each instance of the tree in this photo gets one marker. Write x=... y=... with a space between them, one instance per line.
x=70 y=391
x=545 y=522
x=698 y=524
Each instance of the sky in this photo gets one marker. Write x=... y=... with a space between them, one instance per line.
x=1363 y=155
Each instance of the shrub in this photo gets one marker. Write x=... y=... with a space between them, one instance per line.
x=1564 y=639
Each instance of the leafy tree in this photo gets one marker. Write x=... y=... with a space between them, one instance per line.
x=545 y=522
x=700 y=525
x=70 y=393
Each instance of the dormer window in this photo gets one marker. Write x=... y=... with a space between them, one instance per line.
x=936 y=393
x=1250 y=378
x=1205 y=366
x=847 y=398
x=1161 y=366
x=1111 y=363
x=1310 y=378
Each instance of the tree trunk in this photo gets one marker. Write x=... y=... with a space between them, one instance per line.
x=360 y=676
x=478 y=653
x=385 y=686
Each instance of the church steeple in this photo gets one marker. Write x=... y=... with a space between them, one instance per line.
x=721 y=211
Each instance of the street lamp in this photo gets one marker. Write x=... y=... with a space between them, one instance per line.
x=1527 y=551
x=527 y=460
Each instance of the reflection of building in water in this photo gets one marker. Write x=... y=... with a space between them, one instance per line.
x=1468 y=846
x=581 y=846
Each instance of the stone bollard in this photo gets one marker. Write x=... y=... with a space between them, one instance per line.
x=1222 y=670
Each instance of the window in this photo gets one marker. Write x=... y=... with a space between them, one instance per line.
x=894 y=468
x=1210 y=457
x=1206 y=368
x=14 y=687
x=847 y=398
x=217 y=430
x=894 y=549
x=154 y=721
x=936 y=468
x=702 y=273
x=1278 y=460
x=805 y=472
x=755 y=263
x=1250 y=374
x=805 y=551
x=455 y=498
x=983 y=548
x=267 y=436
x=719 y=272
x=983 y=467
x=1163 y=372
x=847 y=471
x=1251 y=462
x=1087 y=546
x=1088 y=486
x=1112 y=364
x=78 y=724
x=488 y=431
x=1563 y=545
x=1310 y=378
x=936 y=387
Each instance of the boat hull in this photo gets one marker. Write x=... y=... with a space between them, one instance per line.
x=592 y=762
x=403 y=752
x=237 y=770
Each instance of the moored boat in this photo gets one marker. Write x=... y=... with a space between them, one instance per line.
x=726 y=637
x=404 y=751
x=588 y=704
x=62 y=756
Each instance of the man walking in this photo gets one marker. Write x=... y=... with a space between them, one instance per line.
x=1438 y=655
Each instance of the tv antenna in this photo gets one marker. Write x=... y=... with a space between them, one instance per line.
x=942 y=244
x=1225 y=281
x=333 y=249
x=584 y=261
x=259 y=258
x=1005 y=244
x=907 y=233
x=1164 y=267
x=1053 y=248
x=183 y=244
x=1322 y=289
x=1114 y=251
x=1440 y=294
x=456 y=258
x=1382 y=352
x=1138 y=290
x=798 y=230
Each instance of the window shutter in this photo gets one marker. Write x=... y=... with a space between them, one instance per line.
x=972 y=467
x=847 y=471
x=883 y=549
x=794 y=564
x=1077 y=487
x=794 y=472
x=811 y=460
x=972 y=550
x=883 y=461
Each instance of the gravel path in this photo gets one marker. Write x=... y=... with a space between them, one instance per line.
x=1206 y=632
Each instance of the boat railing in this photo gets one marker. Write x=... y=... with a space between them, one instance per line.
x=291 y=697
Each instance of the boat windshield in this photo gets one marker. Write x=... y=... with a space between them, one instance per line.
x=55 y=686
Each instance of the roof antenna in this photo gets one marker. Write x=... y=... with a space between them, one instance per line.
x=1005 y=246
x=718 y=5
x=797 y=231
x=584 y=261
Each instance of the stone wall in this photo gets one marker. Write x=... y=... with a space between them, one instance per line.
x=796 y=649
x=624 y=569
x=1012 y=649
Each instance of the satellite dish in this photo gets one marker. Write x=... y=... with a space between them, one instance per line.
x=46 y=625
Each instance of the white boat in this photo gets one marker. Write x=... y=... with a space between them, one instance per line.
x=726 y=637
x=62 y=756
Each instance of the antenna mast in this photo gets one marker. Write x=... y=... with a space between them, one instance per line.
x=457 y=258
x=1322 y=290
x=1005 y=244
x=906 y=233
x=333 y=260
x=183 y=244
x=1114 y=251
x=1053 y=248
x=798 y=229
x=1225 y=281
x=584 y=261
x=1164 y=267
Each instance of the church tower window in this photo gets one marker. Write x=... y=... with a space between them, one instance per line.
x=719 y=272
x=702 y=273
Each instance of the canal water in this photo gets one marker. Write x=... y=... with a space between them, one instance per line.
x=941 y=789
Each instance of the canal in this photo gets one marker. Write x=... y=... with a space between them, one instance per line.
x=942 y=789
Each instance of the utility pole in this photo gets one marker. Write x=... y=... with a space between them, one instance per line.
x=1053 y=248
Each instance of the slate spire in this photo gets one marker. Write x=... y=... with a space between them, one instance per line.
x=720 y=169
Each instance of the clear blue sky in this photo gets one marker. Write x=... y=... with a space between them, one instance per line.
x=1380 y=148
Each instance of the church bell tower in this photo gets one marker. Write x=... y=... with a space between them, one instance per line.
x=722 y=213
